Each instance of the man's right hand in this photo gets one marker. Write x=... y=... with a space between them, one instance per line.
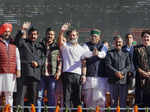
x=146 y=74
x=18 y=73
x=143 y=73
x=57 y=75
x=119 y=75
x=34 y=64
x=65 y=26
x=26 y=25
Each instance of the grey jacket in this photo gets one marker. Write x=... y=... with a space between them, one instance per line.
x=29 y=52
x=117 y=62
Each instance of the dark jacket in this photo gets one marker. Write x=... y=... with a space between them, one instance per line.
x=142 y=60
x=132 y=67
x=124 y=48
x=117 y=61
x=52 y=54
x=29 y=51
x=93 y=63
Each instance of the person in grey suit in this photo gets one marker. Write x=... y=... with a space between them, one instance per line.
x=31 y=63
x=118 y=66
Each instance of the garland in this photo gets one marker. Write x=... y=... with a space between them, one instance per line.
x=135 y=108
x=118 y=109
x=108 y=109
x=98 y=109
x=19 y=109
x=7 y=108
x=45 y=108
x=57 y=108
x=33 y=108
x=146 y=110
x=79 y=109
x=66 y=109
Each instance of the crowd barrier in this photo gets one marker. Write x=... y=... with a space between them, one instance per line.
x=33 y=108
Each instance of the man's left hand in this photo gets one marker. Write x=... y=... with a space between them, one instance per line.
x=34 y=64
x=83 y=79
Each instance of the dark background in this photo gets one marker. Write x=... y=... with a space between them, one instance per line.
x=111 y=16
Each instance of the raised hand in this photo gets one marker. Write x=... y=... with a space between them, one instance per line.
x=26 y=25
x=65 y=26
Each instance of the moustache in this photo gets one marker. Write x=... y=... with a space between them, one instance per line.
x=118 y=44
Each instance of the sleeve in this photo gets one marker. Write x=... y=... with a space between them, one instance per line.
x=126 y=69
x=18 y=40
x=86 y=52
x=109 y=66
x=42 y=55
x=59 y=63
x=135 y=59
x=89 y=54
x=63 y=46
x=18 y=59
x=102 y=53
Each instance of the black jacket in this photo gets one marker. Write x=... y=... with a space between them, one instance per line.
x=29 y=51
x=117 y=61
x=94 y=62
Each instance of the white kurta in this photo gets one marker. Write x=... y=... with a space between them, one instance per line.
x=8 y=81
x=95 y=88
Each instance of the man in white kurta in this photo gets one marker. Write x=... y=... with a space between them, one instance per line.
x=9 y=63
x=96 y=84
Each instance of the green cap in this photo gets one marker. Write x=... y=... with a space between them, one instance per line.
x=95 y=31
x=134 y=43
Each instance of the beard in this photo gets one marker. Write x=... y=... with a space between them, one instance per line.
x=6 y=37
x=73 y=41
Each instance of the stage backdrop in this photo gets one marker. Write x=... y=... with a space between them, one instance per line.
x=111 y=16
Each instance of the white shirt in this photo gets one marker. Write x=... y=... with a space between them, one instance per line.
x=72 y=57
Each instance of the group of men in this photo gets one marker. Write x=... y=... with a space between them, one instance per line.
x=87 y=72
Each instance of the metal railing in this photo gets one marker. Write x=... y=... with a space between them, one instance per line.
x=88 y=109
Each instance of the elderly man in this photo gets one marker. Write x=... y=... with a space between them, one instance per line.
x=118 y=65
x=96 y=84
x=9 y=63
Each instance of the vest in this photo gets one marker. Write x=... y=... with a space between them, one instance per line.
x=93 y=63
x=7 y=58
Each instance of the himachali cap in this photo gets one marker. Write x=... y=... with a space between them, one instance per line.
x=95 y=31
x=134 y=43
x=4 y=27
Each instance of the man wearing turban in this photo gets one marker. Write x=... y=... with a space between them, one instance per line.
x=96 y=85
x=9 y=63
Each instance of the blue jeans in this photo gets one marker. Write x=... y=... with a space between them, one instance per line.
x=49 y=84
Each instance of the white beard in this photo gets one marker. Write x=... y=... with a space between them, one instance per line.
x=73 y=41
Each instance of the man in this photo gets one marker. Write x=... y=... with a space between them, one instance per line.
x=129 y=47
x=49 y=73
x=71 y=53
x=31 y=62
x=9 y=63
x=141 y=58
x=118 y=65
x=95 y=86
